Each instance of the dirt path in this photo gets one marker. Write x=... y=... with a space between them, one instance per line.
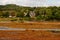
x=26 y=25
x=30 y=31
x=28 y=35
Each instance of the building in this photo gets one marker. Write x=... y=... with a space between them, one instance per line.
x=32 y=14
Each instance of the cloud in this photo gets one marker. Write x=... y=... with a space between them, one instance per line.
x=31 y=3
x=3 y=2
x=53 y=3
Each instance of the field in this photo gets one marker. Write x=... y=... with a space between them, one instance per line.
x=31 y=24
x=30 y=34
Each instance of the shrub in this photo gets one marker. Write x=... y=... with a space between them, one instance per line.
x=13 y=19
x=39 y=18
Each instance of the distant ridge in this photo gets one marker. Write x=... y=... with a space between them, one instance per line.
x=26 y=5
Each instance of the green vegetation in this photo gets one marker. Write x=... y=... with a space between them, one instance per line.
x=51 y=13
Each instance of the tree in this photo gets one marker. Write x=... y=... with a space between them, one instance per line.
x=6 y=14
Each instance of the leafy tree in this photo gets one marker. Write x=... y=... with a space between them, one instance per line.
x=42 y=13
x=6 y=14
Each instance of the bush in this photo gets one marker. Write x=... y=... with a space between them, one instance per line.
x=13 y=19
x=26 y=18
x=40 y=17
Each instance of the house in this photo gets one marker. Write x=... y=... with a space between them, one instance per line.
x=32 y=14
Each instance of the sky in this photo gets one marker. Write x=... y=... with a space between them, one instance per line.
x=31 y=3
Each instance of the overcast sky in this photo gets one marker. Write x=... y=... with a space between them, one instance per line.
x=31 y=3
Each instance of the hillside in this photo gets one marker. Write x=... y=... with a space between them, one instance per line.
x=33 y=13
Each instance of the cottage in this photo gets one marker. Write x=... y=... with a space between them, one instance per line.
x=32 y=14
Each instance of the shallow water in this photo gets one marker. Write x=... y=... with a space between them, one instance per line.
x=23 y=29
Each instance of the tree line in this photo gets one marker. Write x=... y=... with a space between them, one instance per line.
x=51 y=13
